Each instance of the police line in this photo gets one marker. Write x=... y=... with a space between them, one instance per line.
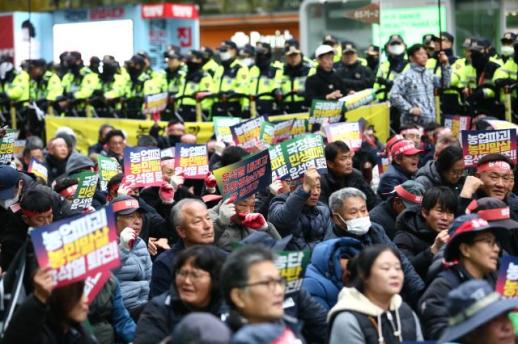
x=86 y=129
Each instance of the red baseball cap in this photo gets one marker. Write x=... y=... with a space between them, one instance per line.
x=405 y=147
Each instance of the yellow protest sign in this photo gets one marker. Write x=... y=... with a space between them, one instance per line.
x=377 y=115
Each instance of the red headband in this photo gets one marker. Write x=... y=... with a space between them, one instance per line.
x=469 y=226
x=70 y=191
x=472 y=206
x=125 y=204
x=407 y=196
x=30 y=213
x=494 y=164
x=495 y=214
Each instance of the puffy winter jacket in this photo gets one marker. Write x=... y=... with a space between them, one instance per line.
x=390 y=179
x=323 y=277
x=432 y=305
x=290 y=215
x=413 y=285
x=134 y=275
x=225 y=235
x=164 y=312
x=428 y=176
x=385 y=215
x=414 y=239
x=330 y=183
x=356 y=320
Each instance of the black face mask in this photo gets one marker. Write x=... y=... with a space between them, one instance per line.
x=478 y=59
x=173 y=139
x=108 y=72
x=262 y=60
x=193 y=66
x=75 y=68
x=372 y=61
x=134 y=73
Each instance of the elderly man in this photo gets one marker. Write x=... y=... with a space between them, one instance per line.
x=191 y=219
x=254 y=289
x=301 y=213
x=494 y=178
x=115 y=142
x=351 y=219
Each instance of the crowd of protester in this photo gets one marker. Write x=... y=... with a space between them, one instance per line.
x=407 y=255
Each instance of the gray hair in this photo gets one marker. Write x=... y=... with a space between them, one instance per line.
x=176 y=217
x=337 y=198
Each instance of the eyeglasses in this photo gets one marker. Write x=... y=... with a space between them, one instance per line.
x=194 y=275
x=456 y=173
x=492 y=242
x=270 y=284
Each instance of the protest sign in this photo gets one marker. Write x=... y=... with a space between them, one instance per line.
x=325 y=111
x=246 y=134
x=344 y=131
x=167 y=153
x=478 y=143
x=377 y=115
x=499 y=124
x=243 y=178
x=87 y=183
x=108 y=167
x=222 y=127
x=357 y=99
x=291 y=266
x=7 y=146
x=290 y=159
x=19 y=146
x=155 y=103
x=191 y=160
x=78 y=247
x=457 y=124
x=142 y=166
x=267 y=134
x=38 y=169
x=282 y=131
x=507 y=281
x=299 y=127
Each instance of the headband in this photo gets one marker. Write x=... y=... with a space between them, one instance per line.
x=31 y=213
x=494 y=164
x=407 y=196
x=69 y=191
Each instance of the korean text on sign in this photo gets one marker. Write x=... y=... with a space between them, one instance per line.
x=246 y=134
x=191 y=160
x=85 y=190
x=479 y=143
x=142 y=167
x=77 y=248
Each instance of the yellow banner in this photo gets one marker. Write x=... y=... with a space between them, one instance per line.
x=87 y=129
x=377 y=115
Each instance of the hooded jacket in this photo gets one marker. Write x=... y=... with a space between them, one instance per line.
x=356 y=320
x=323 y=277
x=383 y=213
x=414 y=239
x=428 y=176
x=390 y=179
x=413 y=285
x=290 y=215
x=76 y=162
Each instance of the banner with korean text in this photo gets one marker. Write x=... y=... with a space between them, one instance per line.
x=191 y=160
x=478 y=143
x=142 y=167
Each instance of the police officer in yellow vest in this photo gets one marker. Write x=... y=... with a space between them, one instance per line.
x=231 y=77
x=507 y=75
x=175 y=71
x=507 y=49
x=196 y=80
x=372 y=56
x=295 y=72
x=45 y=85
x=395 y=64
x=209 y=64
x=16 y=85
x=79 y=82
x=265 y=80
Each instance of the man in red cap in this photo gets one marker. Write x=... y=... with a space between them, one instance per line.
x=405 y=161
x=494 y=178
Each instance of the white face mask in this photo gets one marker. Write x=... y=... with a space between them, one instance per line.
x=248 y=61
x=507 y=50
x=358 y=226
x=225 y=56
x=396 y=49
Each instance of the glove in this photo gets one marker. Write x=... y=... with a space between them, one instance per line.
x=219 y=147
x=227 y=211
x=166 y=193
x=276 y=187
x=210 y=183
x=176 y=180
x=127 y=238
x=255 y=221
